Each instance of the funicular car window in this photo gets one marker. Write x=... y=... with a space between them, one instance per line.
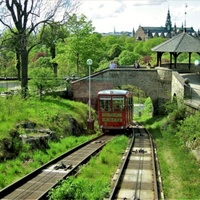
x=105 y=103
x=118 y=103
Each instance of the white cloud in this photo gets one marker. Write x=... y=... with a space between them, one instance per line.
x=124 y=15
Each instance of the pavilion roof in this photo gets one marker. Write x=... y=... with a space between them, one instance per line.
x=182 y=42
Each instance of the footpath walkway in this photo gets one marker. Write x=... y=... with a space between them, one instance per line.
x=194 y=82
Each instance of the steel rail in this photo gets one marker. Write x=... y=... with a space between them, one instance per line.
x=154 y=164
x=122 y=168
x=137 y=176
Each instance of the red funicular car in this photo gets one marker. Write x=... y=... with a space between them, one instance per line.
x=115 y=109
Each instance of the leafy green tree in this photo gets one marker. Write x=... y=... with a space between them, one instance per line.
x=75 y=62
x=42 y=81
x=114 y=51
x=50 y=35
x=138 y=49
x=122 y=39
x=41 y=62
x=6 y=44
x=103 y=65
x=129 y=44
x=81 y=44
x=144 y=47
x=79 y=29
x=23 y=18
x=110 y=40
x=7 y=64
x=149 y=44
x=127 y=58
x=188 y=130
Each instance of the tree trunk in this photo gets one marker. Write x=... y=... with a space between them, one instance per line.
x=24 y=81
x=18 y=65
x=55 y=69
x=53 y=55
x=77 y=63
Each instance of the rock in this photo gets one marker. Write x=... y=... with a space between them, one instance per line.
x=196 y=153
x=27 y=124
x=37 y=141
x=194 y=147
x=8 y=148
x=37 y=137
x=74 y=127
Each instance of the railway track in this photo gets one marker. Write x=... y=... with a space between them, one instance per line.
x=137 y=176
x=37 y=184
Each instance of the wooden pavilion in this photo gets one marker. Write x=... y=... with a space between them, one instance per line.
x=180 y=43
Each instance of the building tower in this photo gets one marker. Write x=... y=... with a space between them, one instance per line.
x=168 y=23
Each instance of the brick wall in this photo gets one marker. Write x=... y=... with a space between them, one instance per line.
x=148 y=80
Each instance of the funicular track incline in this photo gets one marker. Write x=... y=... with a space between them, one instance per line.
x=37 y=184
x=136 y=178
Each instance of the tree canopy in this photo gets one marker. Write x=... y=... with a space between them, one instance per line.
x=23 y=18
x=66 y=44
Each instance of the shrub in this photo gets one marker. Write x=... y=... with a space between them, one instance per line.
x=188 y=130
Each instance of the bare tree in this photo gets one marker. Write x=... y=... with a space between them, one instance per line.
x=24 y=17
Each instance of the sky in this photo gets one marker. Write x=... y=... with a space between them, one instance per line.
x=126 y=15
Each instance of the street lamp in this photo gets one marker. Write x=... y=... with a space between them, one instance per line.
x=196 y=62
x=90 y=120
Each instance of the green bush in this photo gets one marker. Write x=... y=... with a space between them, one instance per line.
x=148 y=106
x=188 y=130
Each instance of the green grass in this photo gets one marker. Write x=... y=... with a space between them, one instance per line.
x=2 y=89
x=52 y=113
x=179 y=168
x=27 y=161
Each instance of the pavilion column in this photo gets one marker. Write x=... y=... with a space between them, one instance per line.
x=175 y=58
x=189 y=60
x=159 y=58
x=170 y=60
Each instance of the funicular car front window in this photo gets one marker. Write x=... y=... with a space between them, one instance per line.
x=105 y=103
x=118 y=103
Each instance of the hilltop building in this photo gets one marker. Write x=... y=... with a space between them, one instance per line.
x=116 y=33
x=168 y=31
x=147 y=32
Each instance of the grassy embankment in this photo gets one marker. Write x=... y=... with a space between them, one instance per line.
x=27 y=161
x=49 y=113
x=179 y=168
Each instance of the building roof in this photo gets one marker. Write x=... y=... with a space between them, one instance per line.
x=113 y=92
x=154 y=29
x=182 y=42
x=164 y=29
